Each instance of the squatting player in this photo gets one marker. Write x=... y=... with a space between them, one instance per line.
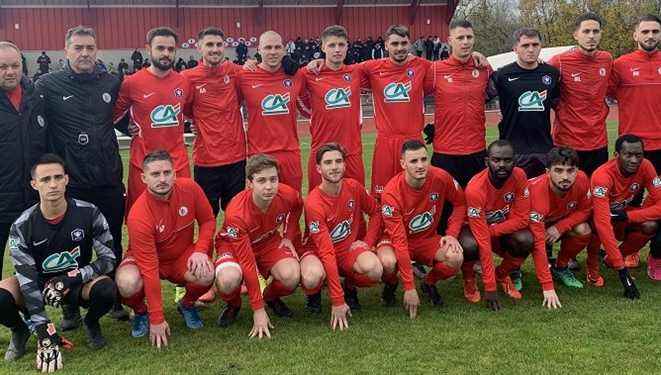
x=52 y=245
x=412 y=203
x=161 y=229
x=251 y=241
x=614 y=187
x=560 y=208
x=155 y=98
x=332 y=214
x=498 y=215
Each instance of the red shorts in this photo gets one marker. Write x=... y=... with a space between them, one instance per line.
x=136 y=186
x=385 y=160
x=421 y=250
x=354 y=169
x=172 y=271
x=266 y=257
x=289 y=168
x=347 y=259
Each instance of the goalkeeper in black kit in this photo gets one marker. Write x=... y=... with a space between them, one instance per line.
x=51 y=246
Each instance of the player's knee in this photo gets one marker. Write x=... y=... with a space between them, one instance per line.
x=128 y=282
x=103 y=291
x=289 y=276
x=388 y=260
x=522 y=243
x=469 y=245
x=582 y=229
x=454 y=260
x=228 y=278
x=368 y=264
x=649 y=227
x=312 y=276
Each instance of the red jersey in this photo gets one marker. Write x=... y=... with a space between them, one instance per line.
x=271 y=102
x=334 y=98
x=411 y=214
x=459 y=95
x=248 y=232
x=613 y=191
x=564 y=212
x=580 y=116
x=398 y=94
x=215 y=108
x=494 y=212
x=161 y=230
x=333 y=223
x=156 y=105
x=636 y=84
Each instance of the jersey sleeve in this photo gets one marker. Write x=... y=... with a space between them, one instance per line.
x=476 y=211
x=492 y=86
x=123 y=103
x=653 y=185
x=143 y=249
x=456 y=197
x=27 y=276
x=540 y=259
x=292 y=229
x=429 y=84
x=206 y=221
x=102 y=243
x=601 y=186
x=393 y=220
x=370 y=207
x=519 y=214
x=320 y=235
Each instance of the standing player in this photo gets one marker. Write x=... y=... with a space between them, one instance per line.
x=251 y=242
x=412 y=205
x=270 y=97
x=498 y=213
x=161 y=229
x=527 y=90
x=334 y=96
x=580 y=116
x=459 y=88
x=219 y=153
x=155 y=98
x=560 y=208
x=52 y=245
x=332 y=213
x=636 y=84
x=614 y=186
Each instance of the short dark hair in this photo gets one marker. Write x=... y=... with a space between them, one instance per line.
x=460 y=23
x=412 y=145
x=399 y=30
x=525 y=31
x=156 y=155
x=258 y=163
x=499 y=143
x=628 y=138
x=648 y=18
x=161 y=31
x=562 y=156
x=211 y=31
x=328 y=147
x=334 y=30
x=588 y=16
x=79 y=30
x=47 y=159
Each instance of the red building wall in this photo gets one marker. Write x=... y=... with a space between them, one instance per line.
x=44 y=28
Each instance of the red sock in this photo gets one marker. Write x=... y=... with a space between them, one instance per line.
x=193 y=292
x=570 y=247
x=276 y=290
x=311 y=291
x=389 y=278
x=633 y=243
x=467 y=270
x=359 y=280
x=508 y=264
x=233 y=298
x=136 y=302
x=440 y=271
x=593 y=255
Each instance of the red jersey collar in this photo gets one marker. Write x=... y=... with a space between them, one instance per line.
x=455 y=61
x=646 y=55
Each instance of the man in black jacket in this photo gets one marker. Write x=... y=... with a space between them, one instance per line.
x=22 y=139
x=79 y=103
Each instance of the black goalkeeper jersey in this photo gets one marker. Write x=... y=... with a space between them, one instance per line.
x=526 y=97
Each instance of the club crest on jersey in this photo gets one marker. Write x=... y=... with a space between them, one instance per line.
x=61 y=261
x=475 y=73
x=41 y=121
x=602 y=72
x=287 y=83
x=165 y=116
x=338 y=98
x=571 y=205
x=280 y=218
x=532 y=101
x=350 y=204
x=275 y=104
x=77 y=235
x=526 y=192
x=314 y=227
x=599 y=191
x=346 y=77
x=473 y=212
x=634 y=187
x=536 y=217
x=433 y=197
x=378 y=189
x=106 y=97
x=340 y=232
x=547 y=80
x=387 y=211
x=397 y=92
x=226 y=79
x=421 y=222
x=231 y=232
x=178 y=92
x=410 y=72
x=183 y=211
x=508 y=197
x=656 y=182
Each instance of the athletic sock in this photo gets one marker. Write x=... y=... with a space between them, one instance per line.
x=360 y=280
x=276 y=289
x=310 y=291
x=570 y=247
x=136 y=302
x=440 y=271
x=467 y=269
x=102 y=298
x=9 y=316
x=233 y=298
x=389 y=278
x=193 y=292
x=633 y=242
x=508 y=264
x=593 y=255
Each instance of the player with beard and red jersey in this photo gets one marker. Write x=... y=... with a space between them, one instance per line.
x=560 y=207
x=332 y=213
x=614 y=186
x=250 y=242
x=334 y=99
x=498 y=215
x=155 y=98
x=412 y=206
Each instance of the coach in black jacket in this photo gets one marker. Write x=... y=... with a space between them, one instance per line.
x=79 y=104
x=22 y=139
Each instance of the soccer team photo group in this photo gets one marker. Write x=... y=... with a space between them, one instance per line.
x=259 y=215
